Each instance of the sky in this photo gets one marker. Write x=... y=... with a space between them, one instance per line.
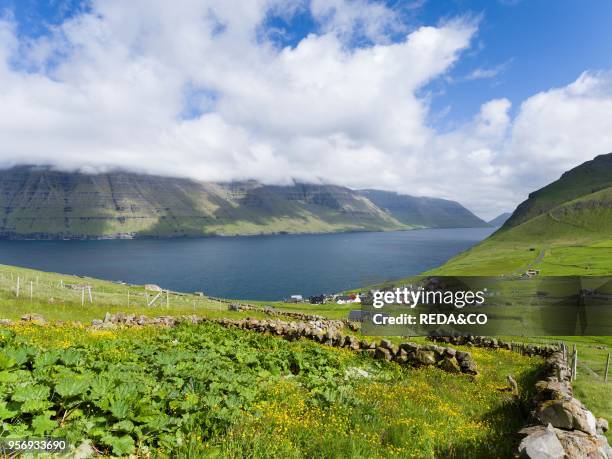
x=476 y=101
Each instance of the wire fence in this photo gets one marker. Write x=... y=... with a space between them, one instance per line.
x=86 y=292
x=590 y=360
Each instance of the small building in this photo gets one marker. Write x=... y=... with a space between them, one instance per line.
x=296 y=299
x=317 y=299
x=346 y=299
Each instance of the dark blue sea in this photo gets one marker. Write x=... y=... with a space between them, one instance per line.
x=254 y=267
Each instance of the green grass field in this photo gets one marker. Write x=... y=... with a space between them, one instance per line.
x=207 y=391
x=244 y=400
x=324 y=410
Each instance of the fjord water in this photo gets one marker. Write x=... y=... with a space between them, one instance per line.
x=253 y=267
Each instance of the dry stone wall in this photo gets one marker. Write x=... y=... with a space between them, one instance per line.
x=494 y=343
x=324 y=331
x=563 y=428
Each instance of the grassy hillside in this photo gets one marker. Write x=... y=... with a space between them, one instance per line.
x=572 y=238
x=244 y=400
x=150 y=389
x=585 y=179
x=563 y=229
x=425 y=212
x=206 y=391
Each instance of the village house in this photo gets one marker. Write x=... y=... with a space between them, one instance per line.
x=531 y=273
x=346 y=299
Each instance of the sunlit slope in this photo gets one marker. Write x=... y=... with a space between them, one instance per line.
x=571 y=238
x=583 y=180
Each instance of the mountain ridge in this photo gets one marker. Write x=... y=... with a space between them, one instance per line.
x=586 y=178
x=565 y=228
x=500 y=219
x=424 y=211
x=38 y=202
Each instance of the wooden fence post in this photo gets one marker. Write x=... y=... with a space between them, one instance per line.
x=575 y=364
x=607 y=366
x=17 y=290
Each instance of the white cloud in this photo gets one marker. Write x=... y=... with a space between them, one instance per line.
x=556 y=129
x=195 y=89
x=481 y=73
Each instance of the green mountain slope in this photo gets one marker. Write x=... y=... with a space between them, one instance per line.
x=573 y=237
x=500 y=219
x=426 y=212
x=585 y=179
x=46 y=204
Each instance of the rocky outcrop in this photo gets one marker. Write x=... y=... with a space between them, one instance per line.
x=35 y=318
x=269 y=310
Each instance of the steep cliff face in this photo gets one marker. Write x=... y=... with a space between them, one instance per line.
x=425 y=212
x=41 y=203
x=36 y=202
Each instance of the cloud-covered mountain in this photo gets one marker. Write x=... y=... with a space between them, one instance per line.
x=222 y=91
x=422 y=211
x=41 y=203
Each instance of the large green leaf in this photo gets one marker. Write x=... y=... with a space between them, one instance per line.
x=46 y=359
x=121 y=446
x=30 y=392
x=6 y=362
x=35 y=406
x=42 y=424
x=5 y=412
x=8 y=377
x=72 y=386
x=120 y=408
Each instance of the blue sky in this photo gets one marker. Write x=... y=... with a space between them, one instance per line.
x=478 y=101
x=522 y=47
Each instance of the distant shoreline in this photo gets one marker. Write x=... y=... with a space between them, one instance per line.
x=126 y=237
